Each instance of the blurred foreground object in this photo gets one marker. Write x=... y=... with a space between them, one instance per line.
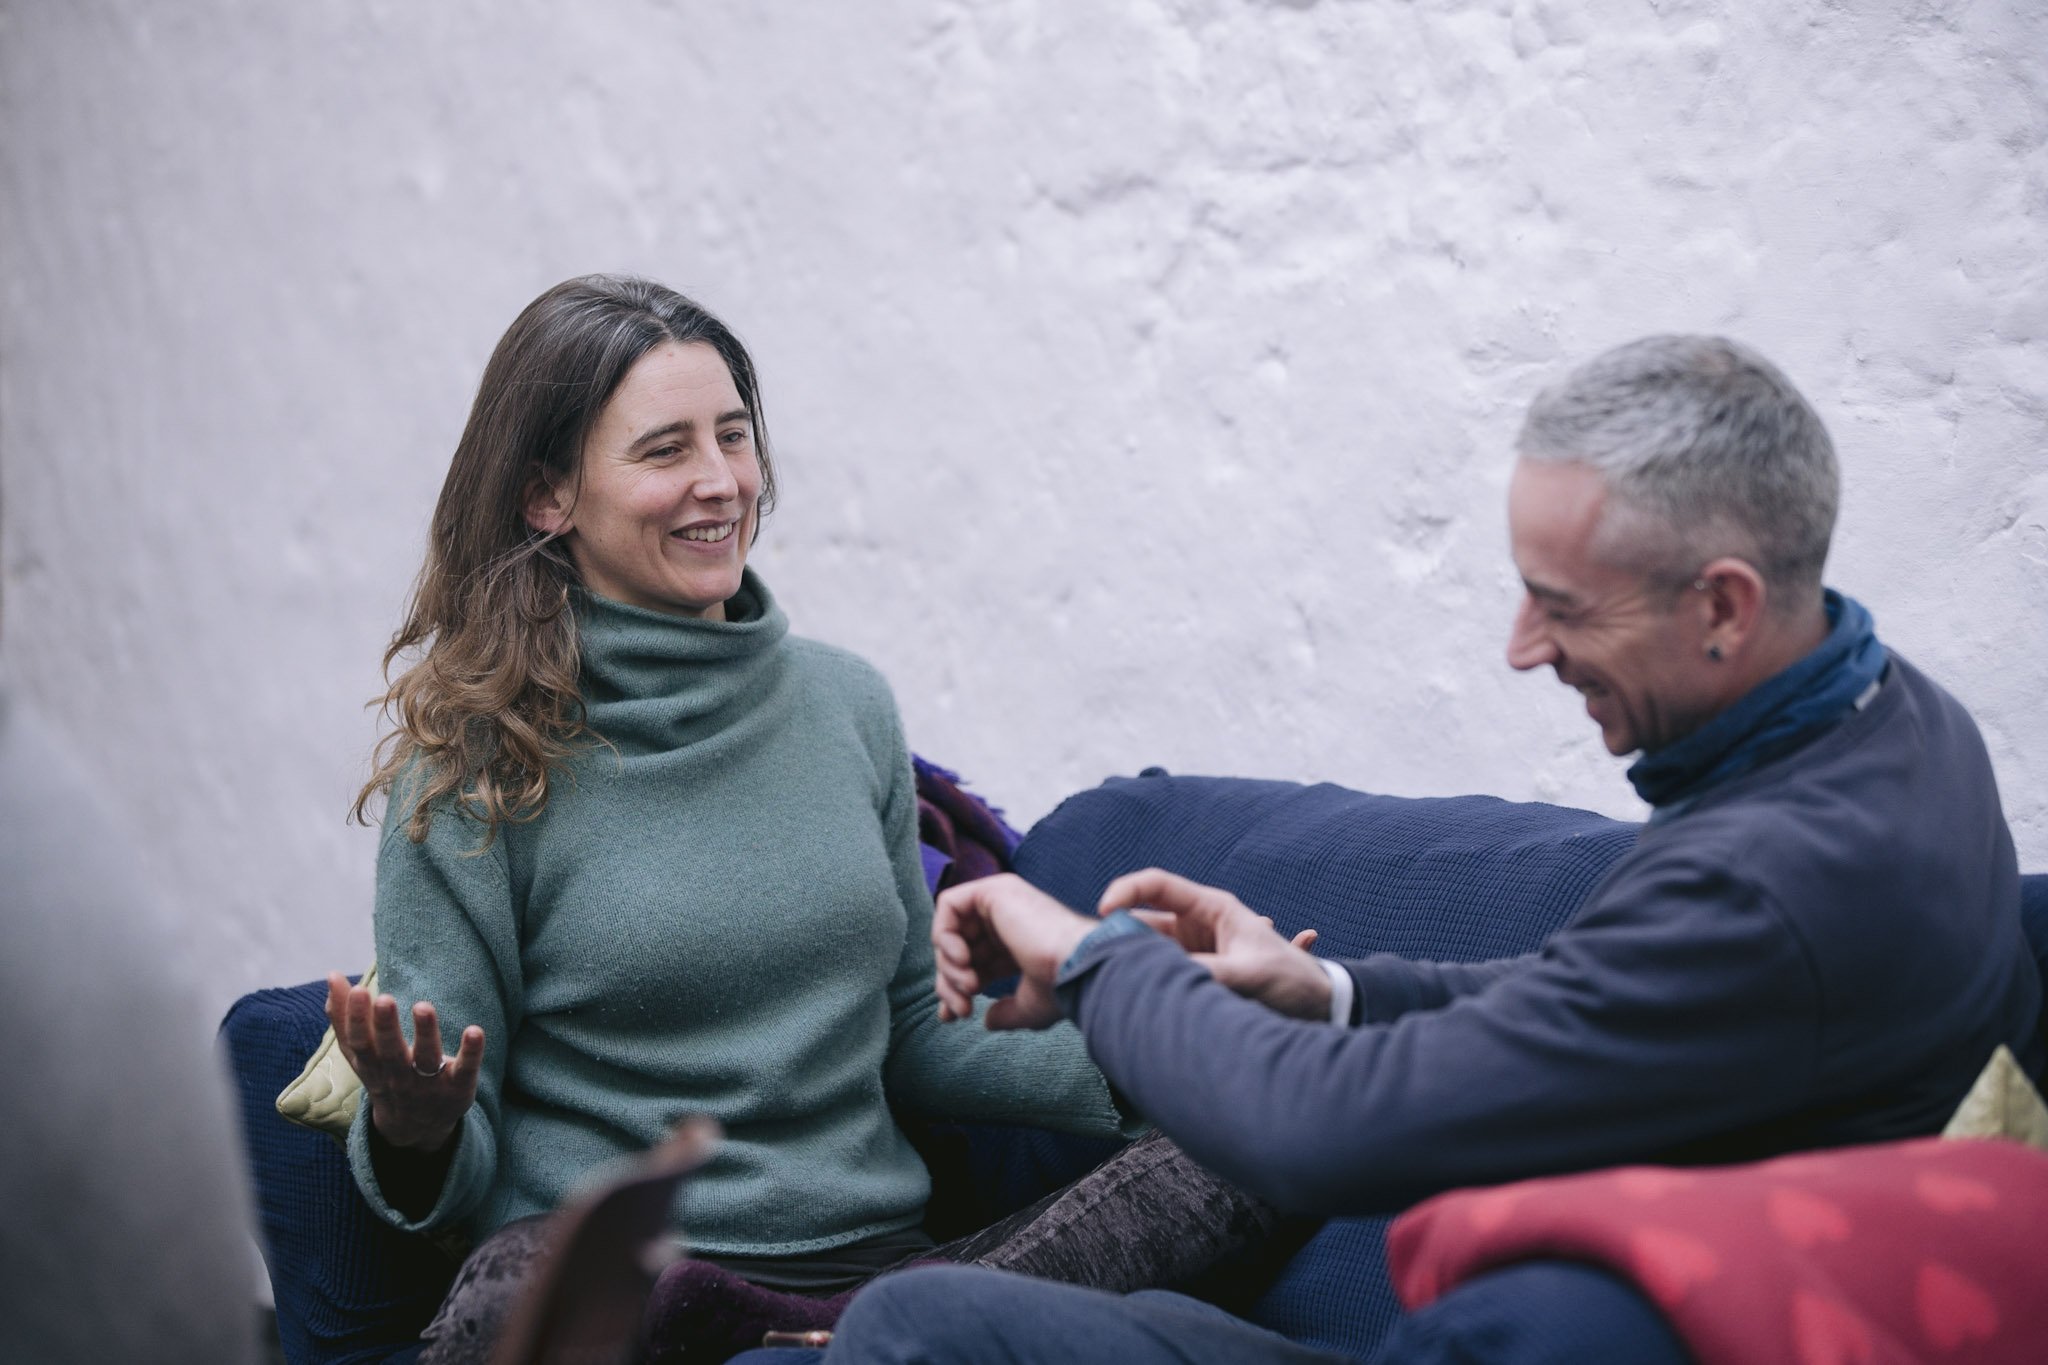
x=607 y=1247
x=128 y=1234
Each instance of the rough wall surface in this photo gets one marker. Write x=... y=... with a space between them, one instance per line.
x=1142 y=374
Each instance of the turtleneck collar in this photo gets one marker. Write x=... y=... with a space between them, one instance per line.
x=1775 y=717
x=652 y=681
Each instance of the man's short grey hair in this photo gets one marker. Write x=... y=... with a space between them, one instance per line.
x=1706 y=449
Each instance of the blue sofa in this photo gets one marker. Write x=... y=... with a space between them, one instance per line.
x=1463 y=878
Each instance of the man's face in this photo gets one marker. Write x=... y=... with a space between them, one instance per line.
x=1625 y=644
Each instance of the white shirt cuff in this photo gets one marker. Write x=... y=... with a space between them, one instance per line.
x=1341 y=988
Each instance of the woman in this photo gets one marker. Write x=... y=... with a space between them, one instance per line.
x=649 y=853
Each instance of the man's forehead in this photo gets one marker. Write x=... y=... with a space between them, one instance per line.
x=1553 y=511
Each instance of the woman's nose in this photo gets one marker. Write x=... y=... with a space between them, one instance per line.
x=715 y=481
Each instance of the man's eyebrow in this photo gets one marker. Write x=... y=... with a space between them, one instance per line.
x=1544 y=593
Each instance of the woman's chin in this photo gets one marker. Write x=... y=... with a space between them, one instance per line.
x=705 y=595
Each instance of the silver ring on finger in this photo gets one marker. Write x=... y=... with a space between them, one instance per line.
x=418 y=1070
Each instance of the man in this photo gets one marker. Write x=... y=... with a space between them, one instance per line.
x=1815 y=940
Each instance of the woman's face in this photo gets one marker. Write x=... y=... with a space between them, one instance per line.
x=666 y=499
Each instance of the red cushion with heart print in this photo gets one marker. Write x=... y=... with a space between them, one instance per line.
x=1928 y=1250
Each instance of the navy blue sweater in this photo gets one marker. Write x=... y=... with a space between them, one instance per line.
x=1822 y=951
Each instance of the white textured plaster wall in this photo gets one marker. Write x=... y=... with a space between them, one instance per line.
x=1142 y=373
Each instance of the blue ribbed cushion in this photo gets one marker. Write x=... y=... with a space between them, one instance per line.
x=349 y=1287
x=1455 y=879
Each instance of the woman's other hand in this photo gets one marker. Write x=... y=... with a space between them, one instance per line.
x=417 y=1094
x=988 y=929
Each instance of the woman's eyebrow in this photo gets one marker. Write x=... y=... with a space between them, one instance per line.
x=669 y=429
x=686 y=426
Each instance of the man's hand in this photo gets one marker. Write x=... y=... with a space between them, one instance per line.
x=1239 y=947
x=985 y=930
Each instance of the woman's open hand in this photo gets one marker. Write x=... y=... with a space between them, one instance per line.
x=417 y=1095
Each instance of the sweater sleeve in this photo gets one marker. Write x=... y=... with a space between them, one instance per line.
x=959 y=1070
x=1389 y=985
x=447 y=932
x=1681 y=1008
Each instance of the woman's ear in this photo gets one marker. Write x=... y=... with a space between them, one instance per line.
x=547 y=506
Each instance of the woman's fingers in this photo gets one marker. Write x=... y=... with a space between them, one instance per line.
x=961 y=982
x=1306 y=939
x=387 y=1040
x=346 y=1037
x=354 y=1032
x=426 y=1040
x=954 y=1003
x=337 y=999
x=468 y=1065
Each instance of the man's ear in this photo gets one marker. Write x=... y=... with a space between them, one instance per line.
x=1734 y=599
x=547 y=506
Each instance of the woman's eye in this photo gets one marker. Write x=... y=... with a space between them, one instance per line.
x=735 y=437
x=664 y=452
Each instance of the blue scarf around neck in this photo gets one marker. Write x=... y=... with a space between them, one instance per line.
x=1774 y=717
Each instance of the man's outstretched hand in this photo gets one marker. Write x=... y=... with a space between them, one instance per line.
x=1240 y=947
x=983 y=931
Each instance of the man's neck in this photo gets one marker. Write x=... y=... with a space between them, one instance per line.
x=1782 y=643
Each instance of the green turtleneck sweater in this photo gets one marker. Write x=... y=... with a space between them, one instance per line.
x=722 y=913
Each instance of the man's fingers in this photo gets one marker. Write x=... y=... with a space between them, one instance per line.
x=1306 y=939
x=1155 y=887
x=1201 y=908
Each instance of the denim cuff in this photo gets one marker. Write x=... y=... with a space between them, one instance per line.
x=1067 y=985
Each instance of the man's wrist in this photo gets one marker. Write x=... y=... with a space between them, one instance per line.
x=1092 y=936
x=1343 y=991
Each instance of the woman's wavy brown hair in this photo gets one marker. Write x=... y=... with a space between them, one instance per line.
x=490 y=710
